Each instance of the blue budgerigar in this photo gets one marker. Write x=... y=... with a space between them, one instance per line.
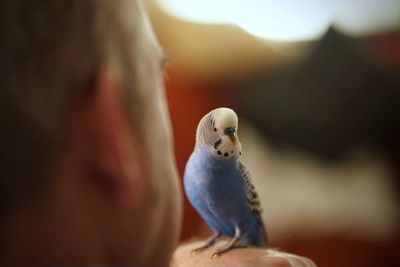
x=218 y=185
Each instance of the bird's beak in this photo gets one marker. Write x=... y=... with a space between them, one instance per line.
x=232 y=136
x=230 y=131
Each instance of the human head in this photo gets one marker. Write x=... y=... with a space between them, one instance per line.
x=85 y=141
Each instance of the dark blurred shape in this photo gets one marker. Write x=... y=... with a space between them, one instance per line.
x=340 y=96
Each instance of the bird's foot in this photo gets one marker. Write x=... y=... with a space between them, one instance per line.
x=199 y=249
x=231 y=244
x=209 y=242
x=221 y=251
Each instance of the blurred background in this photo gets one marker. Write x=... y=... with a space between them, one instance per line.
x=316 y=85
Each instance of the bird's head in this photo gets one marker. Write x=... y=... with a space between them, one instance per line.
x=218 y=130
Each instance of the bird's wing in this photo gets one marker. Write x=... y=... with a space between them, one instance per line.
x=252 y=197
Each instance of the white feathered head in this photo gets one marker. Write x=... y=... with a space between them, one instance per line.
x=218 y=131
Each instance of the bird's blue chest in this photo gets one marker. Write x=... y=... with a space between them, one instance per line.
x=213 y=183
x=206 y=171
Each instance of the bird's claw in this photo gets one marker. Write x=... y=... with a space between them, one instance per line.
x=219 y=252
x=197 y=250
x=215 y=254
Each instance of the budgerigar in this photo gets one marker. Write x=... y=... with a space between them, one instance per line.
x=218 y=185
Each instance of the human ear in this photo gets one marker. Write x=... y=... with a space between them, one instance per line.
x=117 y=147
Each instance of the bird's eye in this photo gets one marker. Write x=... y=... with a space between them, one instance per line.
x=215 y=129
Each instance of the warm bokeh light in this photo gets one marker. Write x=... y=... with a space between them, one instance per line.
x=288 y=20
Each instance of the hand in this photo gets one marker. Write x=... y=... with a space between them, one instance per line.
x=238 y=257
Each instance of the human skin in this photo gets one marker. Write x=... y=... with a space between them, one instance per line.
x=238 y=257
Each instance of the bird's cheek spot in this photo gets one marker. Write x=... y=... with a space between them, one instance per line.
x=226 y=154
x=217 y=143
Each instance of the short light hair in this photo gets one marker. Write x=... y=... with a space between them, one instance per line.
x=50 y=51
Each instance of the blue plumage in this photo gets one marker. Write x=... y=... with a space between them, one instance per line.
x=218 y=185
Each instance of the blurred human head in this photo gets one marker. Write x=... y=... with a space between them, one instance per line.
x=85 y=142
